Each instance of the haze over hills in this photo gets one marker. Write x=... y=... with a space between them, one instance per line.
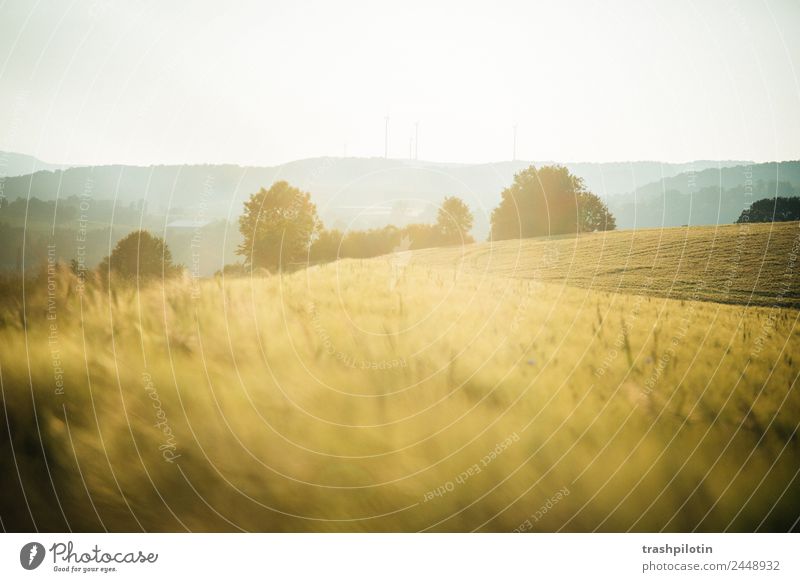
x=13 y=164
x=359 y=192
x=178 y=201
x=704 y=197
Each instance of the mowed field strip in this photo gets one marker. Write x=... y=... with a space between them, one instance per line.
x=753 y=264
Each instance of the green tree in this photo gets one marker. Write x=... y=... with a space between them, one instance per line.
x=327 y=246
x=421 y=236
x=780 y=209
x=362 y=244
x=278 y=226
x=454 y=221
x=593 y=214
x=548 y=201
x=140 y=256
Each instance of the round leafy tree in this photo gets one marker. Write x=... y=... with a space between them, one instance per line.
x=140 y=255
x=277 y=227
x=548 y=201
x=454 y=221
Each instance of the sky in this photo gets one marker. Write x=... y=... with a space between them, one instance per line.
x=263 y=83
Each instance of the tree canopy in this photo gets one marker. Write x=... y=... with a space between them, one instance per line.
x=278 y=226
x=780 y=209
x=454 y=221
x=548 y=201
x=453 y=224
x=140 y=256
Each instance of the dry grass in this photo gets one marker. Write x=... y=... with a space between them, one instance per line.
x=742 y=264
x=339 y=397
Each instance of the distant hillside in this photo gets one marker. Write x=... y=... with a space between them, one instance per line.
x=349 y=192
x=710 y=196
x=12 y=164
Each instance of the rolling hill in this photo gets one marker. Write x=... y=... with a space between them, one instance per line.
x=350 y=193
x=444 y=391
x=747 y=264
x=13 y=164
x=354 y=192
x=704 y=197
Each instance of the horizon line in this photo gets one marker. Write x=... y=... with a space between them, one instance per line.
x=391 y=159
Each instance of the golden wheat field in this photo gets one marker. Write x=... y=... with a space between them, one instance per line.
x=505 y=387
x=748 y=264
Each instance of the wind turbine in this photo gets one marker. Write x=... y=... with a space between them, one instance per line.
x=416 y=140
x=386 y=138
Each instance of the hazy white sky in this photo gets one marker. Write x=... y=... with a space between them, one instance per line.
x=88 y=81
